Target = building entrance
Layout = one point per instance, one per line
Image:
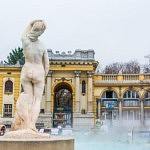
(62, 113)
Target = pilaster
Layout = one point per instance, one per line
(90, 91)
(99, 108)
(77, 91)
(48, 92)
(120, 109)
(142, 112)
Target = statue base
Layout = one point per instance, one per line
(51, 143)
(25, 133)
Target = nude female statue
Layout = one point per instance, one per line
(33, 75)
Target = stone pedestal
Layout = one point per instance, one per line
(52, 143)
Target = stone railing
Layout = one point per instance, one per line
(143, 78)
(109, 77)
(146, 76)
(130, 77)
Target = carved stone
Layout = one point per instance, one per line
(33, 75)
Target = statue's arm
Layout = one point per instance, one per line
(29, 28)
(46, 62)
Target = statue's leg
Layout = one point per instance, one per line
(28, 89)
(22, 114)
(38, 92)
(17, 125)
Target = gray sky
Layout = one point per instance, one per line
(118, 30)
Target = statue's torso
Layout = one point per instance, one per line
(33, 51)
(33, 68)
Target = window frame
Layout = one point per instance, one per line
(83, 87)
(8, 87)
(7, 111)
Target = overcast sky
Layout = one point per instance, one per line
(118, 30)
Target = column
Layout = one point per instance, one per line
(99, 108)
(77, 91)
(90, 91)
(142, 111)
(48, 92)
(120, 109)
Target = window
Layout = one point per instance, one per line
(109, 99)
(8, 86)
(42, 111)
(109, 94)
(147, 114)
(131, 94)
(63, 99)
(109, 103)
(131, 102)
(147, 99)
(148, 95)
(83, 87)
(131, 99)
(147, 102)
(131, 114)
(7, 110)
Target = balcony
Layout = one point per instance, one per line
(122, 79)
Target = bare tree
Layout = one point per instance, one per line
(146, 68)
(131, 67)
(113, 68)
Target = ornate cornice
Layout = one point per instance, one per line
(65, 62)
(77, 55)
(62, 79)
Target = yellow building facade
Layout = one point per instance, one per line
(77, 95)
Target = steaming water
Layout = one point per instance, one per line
(113, 140)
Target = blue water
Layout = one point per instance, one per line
(96, 140)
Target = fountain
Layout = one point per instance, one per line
(24, 135)
(59, 119)
(114, 139)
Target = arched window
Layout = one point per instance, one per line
(147, 104)
(131, 94)
(83, 87)
(131, 99)
(8, 86)
(109, 99)
(147, 99)
(109, 94)
(147, 95)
